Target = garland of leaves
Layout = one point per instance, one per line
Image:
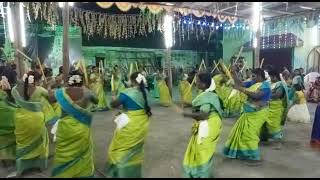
(113, 26)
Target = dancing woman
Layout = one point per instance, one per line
(117, 83)
(232, 100)
(30, 130)
(220, 80)
(155, 90)
(185, 91)
(7, 136)
(73, 152)
(206, 129)
(243, 139)
(41, 95)
(165, 96)
(97, 86)
(277, 107)
(126, 152)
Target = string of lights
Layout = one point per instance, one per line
(226, 26)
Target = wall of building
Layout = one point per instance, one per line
(54, 58)
(125, 56)
(301, 30)
(301, 53)
(232, 42)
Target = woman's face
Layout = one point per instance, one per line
(273, 79)
(133, 83)
(240, 64)
(199, 84)
(254, 77)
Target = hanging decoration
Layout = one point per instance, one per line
(280, 26)
(113, 26)
(55, 55)
(157, 8)
(8, 49)
(202, 28)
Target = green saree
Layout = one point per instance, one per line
(198, 158)
(74, 145)
(185, 94)
(243, 139)
(277, 112)
(101, 95)
(165, 97)
(31, 135)
(125, 154)
(7, 136)
(232, 104)
(41, 95)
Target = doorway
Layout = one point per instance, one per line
(277, 58)
(98, 60)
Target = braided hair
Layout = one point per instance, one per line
(142, 88)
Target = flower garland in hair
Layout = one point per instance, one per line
(30, 78)
(140, 78)
(212, 86)
(185, 77)
(75, 79)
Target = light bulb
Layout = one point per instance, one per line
(22, 24)
(10, 25)
(168, 31)
(61, 4)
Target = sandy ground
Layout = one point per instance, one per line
(168, 137)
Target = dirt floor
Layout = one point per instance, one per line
(168, 137)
